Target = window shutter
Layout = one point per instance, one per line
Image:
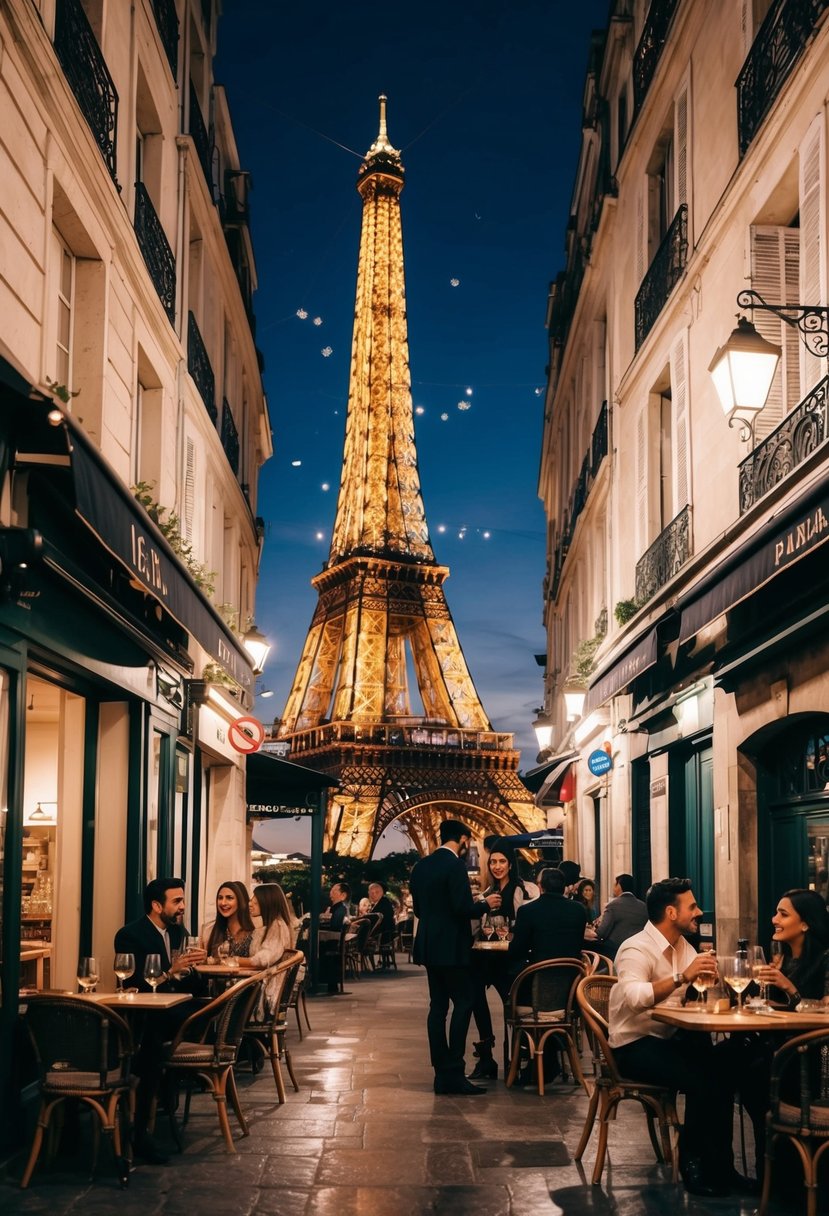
(681, 145)
(642, 532)
(812, 227)
(641, 231)
(746, 27)
(775, 256)
(190, 471)
(680, 451)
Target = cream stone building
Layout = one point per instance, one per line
(686, 590)
(128, 360)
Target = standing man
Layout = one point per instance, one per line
(445, 908)
(623, 916)
(655, 967)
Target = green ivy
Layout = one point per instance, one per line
(169, 524)
(624, 610)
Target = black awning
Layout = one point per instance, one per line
(278, 789)
(636, 659)
(781, 543)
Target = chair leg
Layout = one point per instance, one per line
(587, 1130)
(288, 1063)
(764, 1197)
(514, 1059)
(659, 1149)
(273, 1052)
(220, 1099)
(304, 1011)
(230, 1087)
(601, 1151)
(42, 1124)
(575, 1063)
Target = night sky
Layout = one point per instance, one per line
(485, 103)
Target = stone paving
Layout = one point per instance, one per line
(365, 1136)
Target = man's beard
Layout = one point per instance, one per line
(172, 920)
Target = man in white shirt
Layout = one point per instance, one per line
(654, 968)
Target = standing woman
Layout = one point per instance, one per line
(490, 968)
(233, 924)
(276, 935)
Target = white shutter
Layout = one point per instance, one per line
(775, 257)
(680, 448)
(746, 27)
(641, 477)
(641, 231)
(812, 239)
(682, 146)
(188, 513)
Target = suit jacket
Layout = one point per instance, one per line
(623, 916)
(140, 938)
(551, 926)
(384, 908)
(445, 910)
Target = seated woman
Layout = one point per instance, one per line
(276, 934)
(801, 929)
(233, 926)
(586, 896)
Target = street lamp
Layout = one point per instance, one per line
(574, 696)
(258, 647)
(543, 727)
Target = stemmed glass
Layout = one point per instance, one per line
(736, 973)
(88, 974)
(501, 927)
(124, 967)
(223, 952)
(776, 954)
(153, 971)
(702, 982)
(487, 927)
(757, 958)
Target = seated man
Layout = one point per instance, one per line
(160, 931)
(333, 920)
(623, 916)
(381, 906)
(654, 967)
(551, 926)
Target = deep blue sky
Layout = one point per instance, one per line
(485, 102)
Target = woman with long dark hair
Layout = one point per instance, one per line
(233, 925)
(276, 935)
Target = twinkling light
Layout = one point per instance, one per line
(419, 410)
(538, 392)
(469, 392)
(301, 313)
(464, 405)
(441, 527)
(454, 282)
(325, 486)
(296, 463)
(487, 535)
(318, 320)
(444, 417)
(326, 352)
(320, 535)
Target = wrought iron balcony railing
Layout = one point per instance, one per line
(201, 138)
(412, 734)
(646, 56)
(199, 368)
(598, 444)
(668, 554)
(230, 438)
(155, 247)
(780, 42)
(579, 495)
(167, 22)
(86, 71)
(662, 275)
(788, 445)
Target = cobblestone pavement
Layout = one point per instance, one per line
(365, 1136)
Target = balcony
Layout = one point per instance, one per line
(666, 556)
(417, 737)
(155, 247)
(647, 54)
(579, 495)
(167, 22)
(230, 438)
(598, 444)
(88, 76)
(791, 443)
(662, 275)
(201, 139)
(781, 40)
(198, 365)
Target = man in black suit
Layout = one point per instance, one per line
(382, 906)
(445, 910)
(623, 916)
(551, 926)
(160, 931)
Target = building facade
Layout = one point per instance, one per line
(133, 425)
(686, 583)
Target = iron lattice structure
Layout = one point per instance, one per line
(382, 611)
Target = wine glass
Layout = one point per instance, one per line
(776, 954)
(124, 967)
(702, 982)
(223, 952)
(191, 943)
(88, 974)
(736, 973)
(153, 971)
(757, 958)
(501, 928)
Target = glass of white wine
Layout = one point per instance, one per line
(757, 958)
(153, 971)
(124, 967)
(88, 974)
(702, 982)
(737, 974)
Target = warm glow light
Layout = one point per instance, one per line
(543, 727)
(743, 370)
(574, 701)
(258, 647)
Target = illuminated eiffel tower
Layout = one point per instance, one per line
(382, 612)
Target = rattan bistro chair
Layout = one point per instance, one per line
(83, 1051)
(268, 1031)
(801, 1065)
(539, 1007)
(611, 1089)
(207, 1044)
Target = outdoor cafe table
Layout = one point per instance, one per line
(136, 1000)
(740, 1023)
(490, 945)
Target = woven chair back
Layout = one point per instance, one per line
(72, 1035)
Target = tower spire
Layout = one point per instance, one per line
(382, 148)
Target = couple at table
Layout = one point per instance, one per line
(656, 966)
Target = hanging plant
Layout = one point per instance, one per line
(169, 524)
(583, 662)
(624, 610)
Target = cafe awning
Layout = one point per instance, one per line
(278, 789)
(782, 542)
(549, 793)
(623, 671)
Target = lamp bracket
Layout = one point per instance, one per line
(810, 320)
(746, 426)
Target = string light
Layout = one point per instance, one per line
(326, 352)
(295, 464)
(454, 282)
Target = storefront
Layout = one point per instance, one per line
(102, 782)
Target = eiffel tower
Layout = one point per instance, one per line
(382, 612)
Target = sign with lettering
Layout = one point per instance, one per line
(266, 810)
(599, 762)
(246, 735)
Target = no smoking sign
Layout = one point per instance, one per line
(246, 735)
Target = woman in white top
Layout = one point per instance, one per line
(276, 935)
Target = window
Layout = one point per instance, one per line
(666, 186)
(63, 303)
(662, 456)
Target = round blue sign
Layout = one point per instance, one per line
(599, 762)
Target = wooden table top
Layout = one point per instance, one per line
(496, 945)
(136, 1000)
(27, 953)
(734, 1022)
(241, 972)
